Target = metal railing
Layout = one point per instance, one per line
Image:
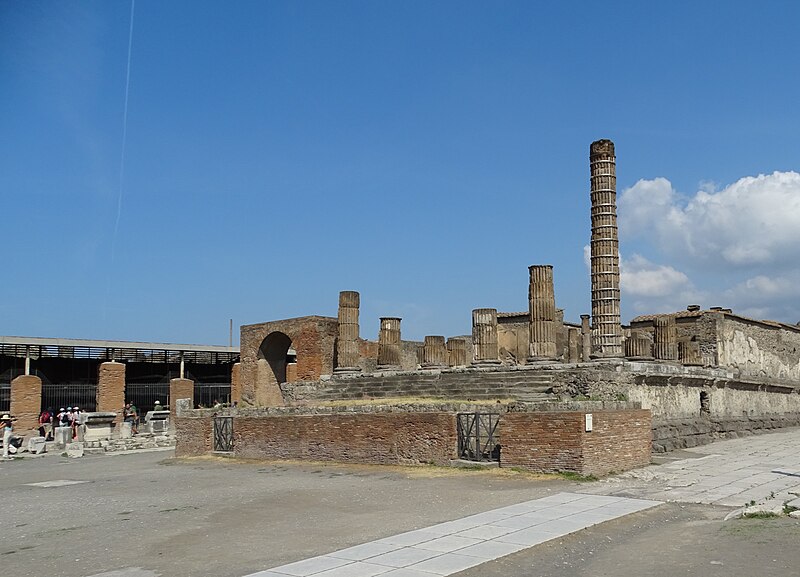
(145, 395)
(5, 397)
(208, 394)
(478, 437)
(62, 395)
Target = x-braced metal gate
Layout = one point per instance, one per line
(478, 437)
(223, 434)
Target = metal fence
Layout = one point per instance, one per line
(62, 395)
(209, 394)
(145, 395)
(5, 397)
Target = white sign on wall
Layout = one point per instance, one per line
(588, 422)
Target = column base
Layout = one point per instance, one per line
(487, 363)
(346, 370)
(540, 360)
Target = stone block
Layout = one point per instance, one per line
(37, 445)
(125, 430)
(74, 450)
(99, 425)
(62, 437)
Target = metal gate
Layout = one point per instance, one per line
(478, 437)
(223, 434)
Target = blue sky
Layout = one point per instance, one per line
(422, 153)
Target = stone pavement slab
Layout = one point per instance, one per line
(447, 548)
(763, 469)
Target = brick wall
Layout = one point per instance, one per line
(557, 441)
(620, 440)
(26, 401)
(194, 436)
(111, 388)
(389, 438)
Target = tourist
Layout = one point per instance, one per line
(157, 406)
(45, 419)
(8, 430)
(63, 417)
(135, 425)
(131, 415)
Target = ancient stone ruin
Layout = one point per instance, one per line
(685, 378)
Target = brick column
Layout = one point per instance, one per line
(26, 401)
(389, 354)
(665, 338)
(542, 309)
(236, 383)
(111, 388)
(434, 352)
(180, 389)
(606, 328)
(347, 356)
(457, 352)
(484, 337)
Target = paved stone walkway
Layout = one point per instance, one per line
(763, 470)
(453, 546)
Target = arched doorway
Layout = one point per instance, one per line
(274, 354)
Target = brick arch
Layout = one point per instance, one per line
(262, 371)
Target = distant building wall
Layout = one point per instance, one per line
(758, 349)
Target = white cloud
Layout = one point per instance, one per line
(746, 234)
(753, 222)
(641, 278)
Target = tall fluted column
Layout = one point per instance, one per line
(542, 309)
(389, 354)
(586, 338)
(484, 337)
(457, 352)
(347, 341)
(665, 338)
(606, 328)
(434, 352)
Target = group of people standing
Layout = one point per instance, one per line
(71, 417)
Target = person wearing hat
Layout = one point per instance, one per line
(8, 429)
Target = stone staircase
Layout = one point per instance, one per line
(522, 385)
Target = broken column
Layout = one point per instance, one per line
(110, 394)
(347, 341)
(665, 338)
(689, 353)
(542, 309)
(586, 338)
(484, 337)
(606, 328)
(434, 352)
(639, 346)
(457, 352)
(389, 353)
(26, 401)
(573, 345)
(180, 389)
